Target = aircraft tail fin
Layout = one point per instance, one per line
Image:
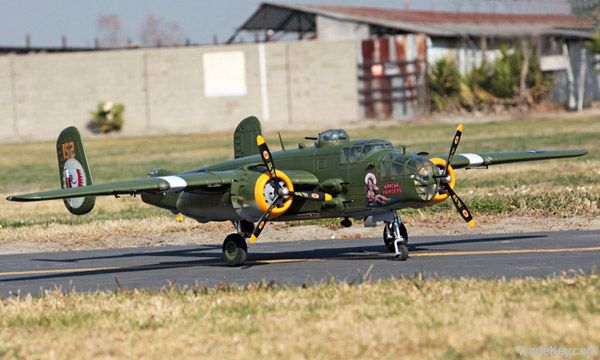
(73, 169)
(244, 137)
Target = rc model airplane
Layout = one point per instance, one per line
(335, 178)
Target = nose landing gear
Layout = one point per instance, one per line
(395, 238)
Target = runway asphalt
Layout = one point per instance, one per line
(299, 262)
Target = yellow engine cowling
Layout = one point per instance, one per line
(441, 164)
(260, 189)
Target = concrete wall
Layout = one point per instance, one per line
(300, 84)
(6, 109)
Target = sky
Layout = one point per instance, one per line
(46, 21)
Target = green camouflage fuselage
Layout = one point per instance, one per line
(364, 178)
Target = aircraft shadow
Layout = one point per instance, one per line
(210, 258)
(178, 252)
(206, 250)
(419, 245)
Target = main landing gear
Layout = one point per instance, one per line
(395, 237)
(235, 248)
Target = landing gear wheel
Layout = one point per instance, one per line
(234, 250)
(346, 222)
(389, 238)
(402, 253)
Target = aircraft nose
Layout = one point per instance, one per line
(425, 180)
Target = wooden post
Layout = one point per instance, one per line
(524, 69)
(581, 78)
(570, 78)
(483, 45)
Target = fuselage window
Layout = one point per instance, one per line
(398, 169)
(355, 154)
(370, 148)
(346, 155)
(386, 169)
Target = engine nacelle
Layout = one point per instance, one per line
(264, 192)
(246, 198)
(253, 196)
(207, 205)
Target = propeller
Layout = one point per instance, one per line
(453, 147)
(460, 205)
(280, 192)
(260, 225)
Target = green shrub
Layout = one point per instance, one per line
(475, 93)
(539, 84)
(504, 82)
(487, 85)
(594, 44)
(444, 85)
(107, 117)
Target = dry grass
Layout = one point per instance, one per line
(407, 318)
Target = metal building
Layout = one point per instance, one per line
(394, 47)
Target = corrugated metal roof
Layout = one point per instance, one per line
(301, 17)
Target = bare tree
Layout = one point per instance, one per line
(109, 31)
(156, 32)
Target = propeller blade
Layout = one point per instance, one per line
(312, 195)
(263, 221)
(453, 147)
(461, 207)
(265, 154)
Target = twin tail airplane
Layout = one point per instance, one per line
(335, 178)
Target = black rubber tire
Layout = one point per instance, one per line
(234, 250)
(346, 223)
(403, 255)
(389, 242)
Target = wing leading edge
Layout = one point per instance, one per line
(470, 160)
(171, 183)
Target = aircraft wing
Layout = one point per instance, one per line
(187, 181)
(471, 160)
(171, 183)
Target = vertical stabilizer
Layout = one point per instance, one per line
(73, 169)
(244, 137)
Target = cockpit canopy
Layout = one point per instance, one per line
(332, 137)
(395, 164)
(363, 148)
